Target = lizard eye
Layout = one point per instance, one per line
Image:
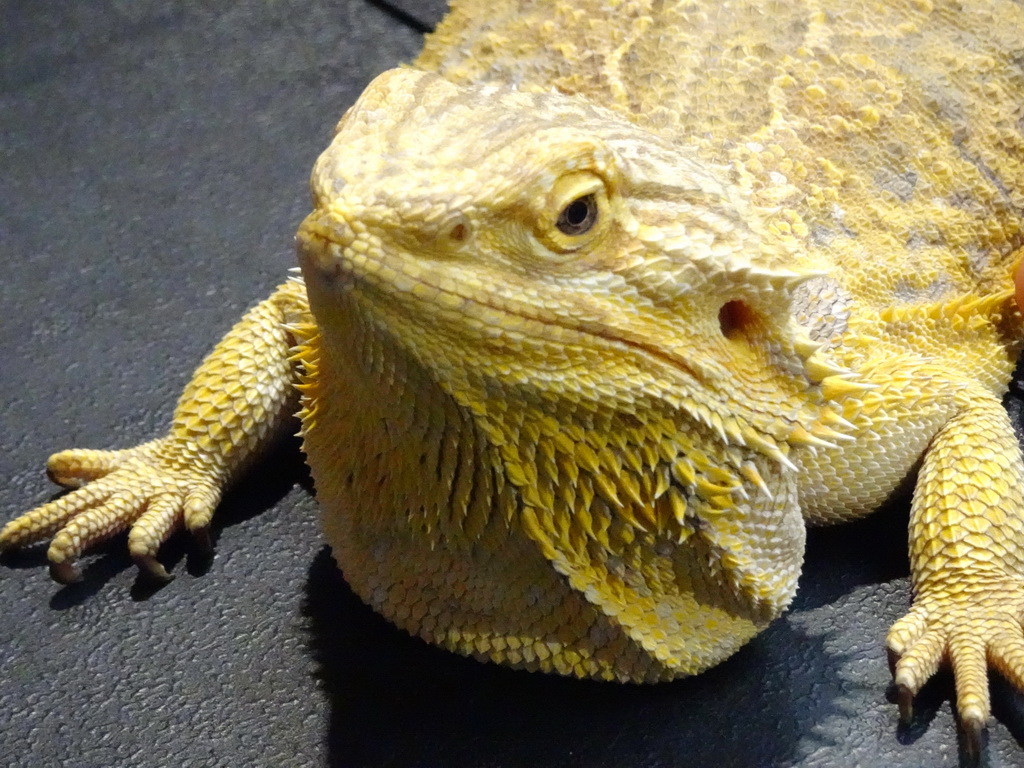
(579, 216)
(573, 214)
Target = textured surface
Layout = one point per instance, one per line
(562, 345)
(810, 687)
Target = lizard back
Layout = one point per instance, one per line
(886, 139)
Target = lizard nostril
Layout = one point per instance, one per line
(459, 233)
(735, 318)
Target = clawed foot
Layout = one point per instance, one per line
(971, 626)
(152, 489)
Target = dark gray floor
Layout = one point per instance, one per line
(154, 159)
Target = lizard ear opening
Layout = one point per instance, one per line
(735, 319)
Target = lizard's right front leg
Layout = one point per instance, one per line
(238, 399)
(966, 523)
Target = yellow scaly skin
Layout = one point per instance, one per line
(582, 357)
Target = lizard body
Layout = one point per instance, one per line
(604, 301)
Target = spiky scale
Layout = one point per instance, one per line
(497, 405)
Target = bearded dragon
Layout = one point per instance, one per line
(603, 303)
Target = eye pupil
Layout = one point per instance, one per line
(577, 213)
(579, 216)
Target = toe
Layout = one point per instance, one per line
(200, 504)
(919, 663)
(79, 466)
(43, 521)
(906, 632)
(970, 670)
(1006, 654)
(89, 527)
(159, 521)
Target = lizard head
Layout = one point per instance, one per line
(612, 316)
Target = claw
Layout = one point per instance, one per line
(151, 568)
(905, 701)
(66, 572)
(974, 731)
(203, 539)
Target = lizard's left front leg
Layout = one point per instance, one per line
(967, 561)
